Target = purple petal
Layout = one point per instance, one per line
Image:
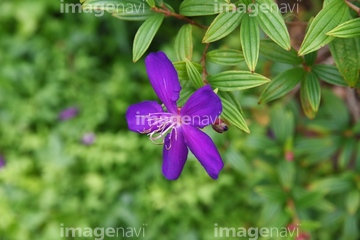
(164, 79)
(137, 115)
(202, 108)
(174, 154)
(88, 139)
(204, 150)
(68, 113)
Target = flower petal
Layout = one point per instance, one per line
(164, 79)
(204, 150)
(137, 115)
(202, 108)
(174, 154)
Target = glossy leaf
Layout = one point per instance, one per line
(201, 7)
(329, 17)
(222, 26)
(272, 23)
(250, 41)
(236, 80)
(194, 75)
(145, 35)
(271, 50)
(226, 57)
(347, 29)
(282, 84)
(345, 52)
(232, 114)
(184, 43)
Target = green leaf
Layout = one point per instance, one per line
(184, 43)
(271, 193)
(202, 7)
(222, 26)
(151, 3)
(131, 10)
(145, 35)
(310, 58)
(310, 94)
(182, 70)
(351, 228)
(232, 114)
(282, 84)
(185, 93)
(272, 23)
(346, 153)
(274, 52)
(250, 41)
(226, 57)
(309, 199)
(352, 201)
(329, 74)
(345, 52)
(347, 29)
(286, 173)
(331, 185)
(236, 80)
(282, 123)
(329, 17)
(312, 86)
(232, 99)
(193, 74)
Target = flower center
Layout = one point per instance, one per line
(162, 124)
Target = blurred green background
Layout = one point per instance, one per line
(51, 61)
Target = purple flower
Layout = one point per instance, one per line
(68, 113)
(88, 139)
(177, 128)
(2, 161)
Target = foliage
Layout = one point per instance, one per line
(283, 165)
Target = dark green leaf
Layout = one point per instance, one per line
(282, 84)
(329, 74)
(274, 52)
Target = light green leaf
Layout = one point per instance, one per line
(250, 41)
(346, 153)
(271, 193)
(184, 43)
(182, 71)
(222, 26)
(282, 84)
(226, 57)
(202, 7)
(331, 185)
(194, 75)
(272, 23)
(236, 80)
(271, 50)
(328, 18)
(286, 173)
(352, 202)
(347, 29)
(232, 114)
(232, 99)
(345, 52)
(151, 3)
(145, 35)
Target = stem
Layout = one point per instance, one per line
(203, 63)
(353, 7)
(168, 13)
